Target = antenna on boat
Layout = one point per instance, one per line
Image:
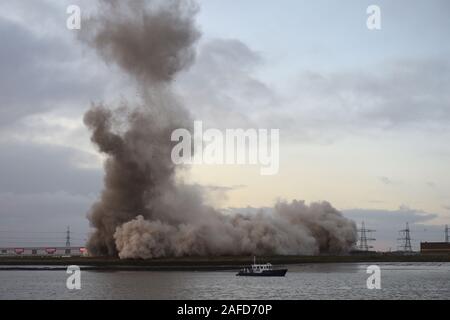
(254, 259)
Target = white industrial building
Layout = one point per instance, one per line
(43, 251)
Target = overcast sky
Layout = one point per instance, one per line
(363, 115)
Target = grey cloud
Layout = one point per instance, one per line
(142, 212)
(223, 188)
(56, 209)
(22, 214)
(431, 184)
(376, 201)
(387, 223)
(41, 73)
(385, 180)
(29, 168)
(42, 190)
(411, 91)
(396, 93)
(398, 217)
(221, 87)
(215, 194)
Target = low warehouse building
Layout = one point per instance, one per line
(435, 247)
(43, 251)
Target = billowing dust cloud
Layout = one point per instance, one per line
(143, 211)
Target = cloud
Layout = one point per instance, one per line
(387, 224)
(401, 95)
(385, 180)
(376, 201)
(43, 189)
(398, 217)
(216, 195)
(431, 184)
(410, 91)
(40, 73)
(222, 88)
(44, 69)
(30, 168)
(26, 218)
(223, 188)
(44, 211)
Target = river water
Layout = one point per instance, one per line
(307, 281)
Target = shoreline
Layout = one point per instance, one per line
(197, 263)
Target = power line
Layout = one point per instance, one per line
(428, 231)
(406, 238)
(68, 237)
(41, 232)
(32, 242)
(364, 239)
(38, 238)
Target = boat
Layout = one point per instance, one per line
(261, 270)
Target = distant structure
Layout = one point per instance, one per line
(405, 237)
(436, 247)
(68, 237)
(364, 239)
(50, 250)
(43, 251)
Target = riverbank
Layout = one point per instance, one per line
(199, 263)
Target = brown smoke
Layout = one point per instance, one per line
(143, 212)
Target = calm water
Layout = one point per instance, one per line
(309, 281)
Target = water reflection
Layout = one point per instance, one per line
(308, 281)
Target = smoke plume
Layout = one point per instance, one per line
(143, 211)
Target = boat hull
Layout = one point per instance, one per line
(265, 273)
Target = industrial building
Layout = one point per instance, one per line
(43, 251)
(49, 250)
(435, 247)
